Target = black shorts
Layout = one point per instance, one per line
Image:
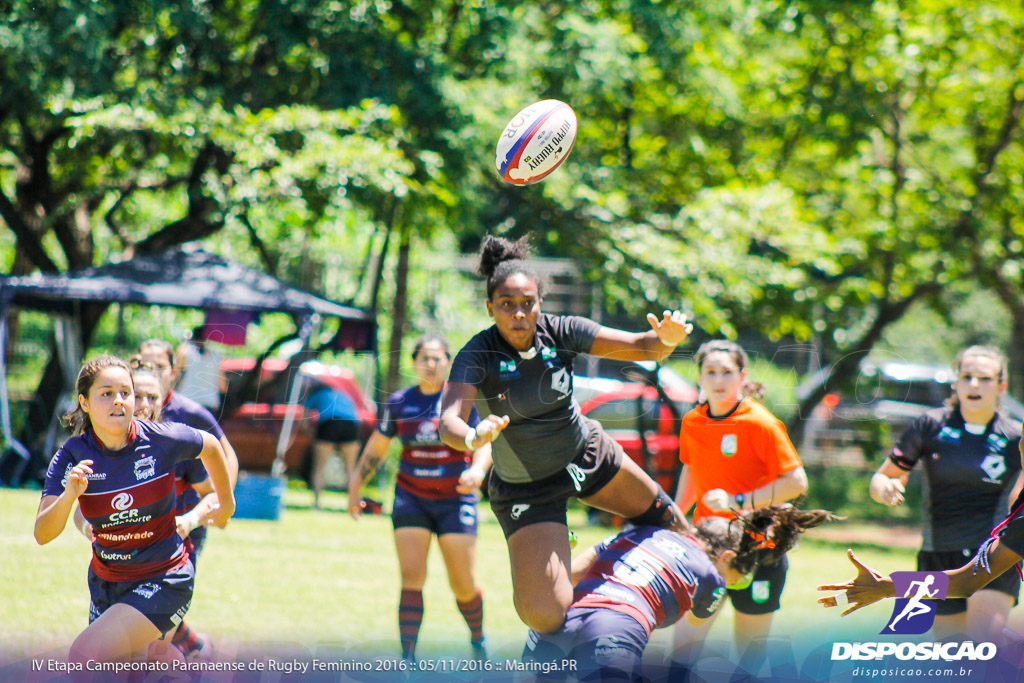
(938, 560)
(335, 430)
(764, 594)
(520, 505)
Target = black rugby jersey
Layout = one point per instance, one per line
(546, 430)
(967, 477)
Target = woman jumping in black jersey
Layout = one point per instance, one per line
(547, 452)
(969, 453)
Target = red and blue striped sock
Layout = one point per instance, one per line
(473, 612)
(410, 616)
(184, 638)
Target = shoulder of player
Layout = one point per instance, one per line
(1011, 429)
(756, 415)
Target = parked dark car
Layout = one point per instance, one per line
(254, 428)
(860, 422)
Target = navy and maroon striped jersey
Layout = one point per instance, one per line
(654, 575)
(130, 497)
(180, 408)
(428, 467)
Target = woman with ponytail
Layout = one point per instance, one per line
(971, 461)
(121, 472)
(544, 450)
(736, 456)
(648, 577)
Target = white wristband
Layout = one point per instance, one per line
(470, 438)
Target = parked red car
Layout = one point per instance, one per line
(254, 428)
(642, 416)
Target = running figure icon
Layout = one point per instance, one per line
(914, 606)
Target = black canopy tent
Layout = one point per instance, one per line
(185, 277)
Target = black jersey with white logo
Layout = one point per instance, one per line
(967, 477)
(546, 430)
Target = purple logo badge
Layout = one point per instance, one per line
(914, 613)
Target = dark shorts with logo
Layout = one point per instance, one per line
(456, 515)
(938, 560)
(764, 593)
(163, 599)
(594, 644)
(520, 505)
(334, 430)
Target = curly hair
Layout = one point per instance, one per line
(500, 259)
(761, 536)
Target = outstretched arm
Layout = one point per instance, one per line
(656, 344)
(870, 586)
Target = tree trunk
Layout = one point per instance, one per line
(399, 312)
(378, 277)
(848, 365)
(1016, 357)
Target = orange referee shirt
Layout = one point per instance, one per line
(738, 452)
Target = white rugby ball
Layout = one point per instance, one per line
(535, 142)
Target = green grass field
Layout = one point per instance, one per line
(319, 580)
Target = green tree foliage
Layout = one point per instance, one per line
(802, 168)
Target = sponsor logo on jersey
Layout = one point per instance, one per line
(548, 353)
(114, 556)
(518, 509)
(421, 472)
(507, 368)
(145, 468)
(561, 382)
(96, 476)
(139, 536)
(996, 442)
(427, 430)
(125, 517)
(122, 501)
(994, 465)
(949, 434)
(730, 444)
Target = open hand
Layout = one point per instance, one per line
(673, 327)
(868, 587)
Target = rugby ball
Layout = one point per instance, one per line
(535, 142)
